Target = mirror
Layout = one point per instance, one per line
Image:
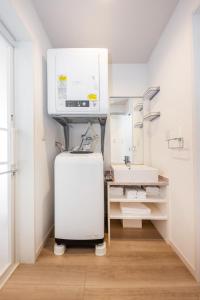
(126, 130)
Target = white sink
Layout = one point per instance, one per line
(134, 174)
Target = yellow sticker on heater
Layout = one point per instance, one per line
(92, 97)
(63, 77)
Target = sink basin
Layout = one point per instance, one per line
(134, 174)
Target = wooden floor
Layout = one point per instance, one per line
(148, 232)
(134, 269)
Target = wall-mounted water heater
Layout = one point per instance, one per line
(78, 82)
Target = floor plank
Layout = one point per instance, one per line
(137, 276)
(42, 293)
(39, 275)
(141, 294)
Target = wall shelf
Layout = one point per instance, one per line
(138, 125)
(138, 107)
(152, 116)
(151, 93)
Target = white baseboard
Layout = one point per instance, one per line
(184, 260)
(7, 274)
(47, 235)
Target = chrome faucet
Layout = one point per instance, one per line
(127, 160)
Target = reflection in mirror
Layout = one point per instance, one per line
(126, 130)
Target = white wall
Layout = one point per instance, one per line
(36, 131)
(170, 67)
(127, 79)
(45, 129)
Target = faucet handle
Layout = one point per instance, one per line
(127, 159)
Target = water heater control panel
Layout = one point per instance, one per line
(77, 81)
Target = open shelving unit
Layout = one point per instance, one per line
(154, 203)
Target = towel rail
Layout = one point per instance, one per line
(179, 140)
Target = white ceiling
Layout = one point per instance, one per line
(130, 29)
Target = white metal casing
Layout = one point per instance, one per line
(79, 196)
(77, 82)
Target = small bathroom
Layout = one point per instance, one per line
(99, 149)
